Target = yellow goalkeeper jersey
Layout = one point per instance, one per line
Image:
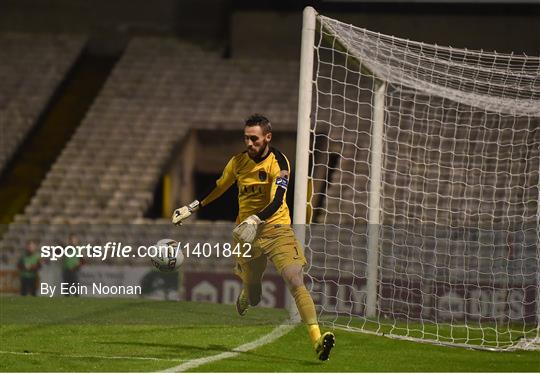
(262, 186)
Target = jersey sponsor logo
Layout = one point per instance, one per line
(262, 175)
(251, 190)
(282, 182)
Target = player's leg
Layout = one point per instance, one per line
(294, 277)
(253, 284)
(251, 274)
(288, 257)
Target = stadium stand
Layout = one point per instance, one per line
(103, 182)
(31, 68)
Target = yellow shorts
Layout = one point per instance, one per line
(277, 243)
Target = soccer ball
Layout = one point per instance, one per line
(169, 255)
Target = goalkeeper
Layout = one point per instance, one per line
(261, 173)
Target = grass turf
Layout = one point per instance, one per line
(84, 334)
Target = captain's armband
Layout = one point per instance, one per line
(282, 182)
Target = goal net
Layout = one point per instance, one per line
(424, 189)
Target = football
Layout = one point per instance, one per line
(169, 255)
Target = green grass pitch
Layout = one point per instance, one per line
(84, 334)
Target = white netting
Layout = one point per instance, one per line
(458, 239)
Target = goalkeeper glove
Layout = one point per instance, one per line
(247, 229)
(184, 212)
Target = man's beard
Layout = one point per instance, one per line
(259, 154)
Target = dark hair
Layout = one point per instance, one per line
(259, 120)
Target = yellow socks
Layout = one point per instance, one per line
(314, 333)
(305, 306)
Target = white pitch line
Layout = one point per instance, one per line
(275, 334)
(89, 356)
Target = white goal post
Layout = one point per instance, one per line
(417, 187)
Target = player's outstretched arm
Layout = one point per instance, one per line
(184, 212)
(222, 184)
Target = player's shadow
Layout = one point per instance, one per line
(214, 349)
